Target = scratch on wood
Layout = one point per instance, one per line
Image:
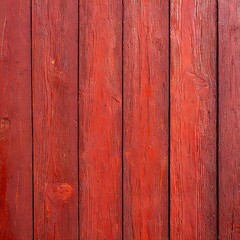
(3, 34)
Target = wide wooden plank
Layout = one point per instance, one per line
(15, 121)
(229, 124)
(100, 119)
(193, 120)
(55, 116)
(146, 105)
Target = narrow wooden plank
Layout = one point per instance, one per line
(146, 104)
(15, 121)
(229, 125)
(55, 91)
(193, 119)
(100, 119)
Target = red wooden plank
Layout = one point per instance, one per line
(15, 121)
(55, 84)
(193, 119)
(146, 100)
(229, 132)
(100, 119)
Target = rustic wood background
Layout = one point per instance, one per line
(119, 119)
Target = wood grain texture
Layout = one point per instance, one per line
(100, 119)
(193, 119)
(146, 104)
(55, 91)
(229, 113)
(15, 121)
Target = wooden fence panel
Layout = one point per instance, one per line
(229, 132)
(100, 114)
(146, 105)
(55, 118)
(193, 119)
(15, 121)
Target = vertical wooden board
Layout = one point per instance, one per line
(55, 91)
(193, 120)
(146, 105)
(229, 113)
(15, 121)
(100, 119)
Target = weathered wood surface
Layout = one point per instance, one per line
(55, 118)
(15, 121)
(146, 102)
(229, 124)
(100, 114)
(193, 119)
(92, 126)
